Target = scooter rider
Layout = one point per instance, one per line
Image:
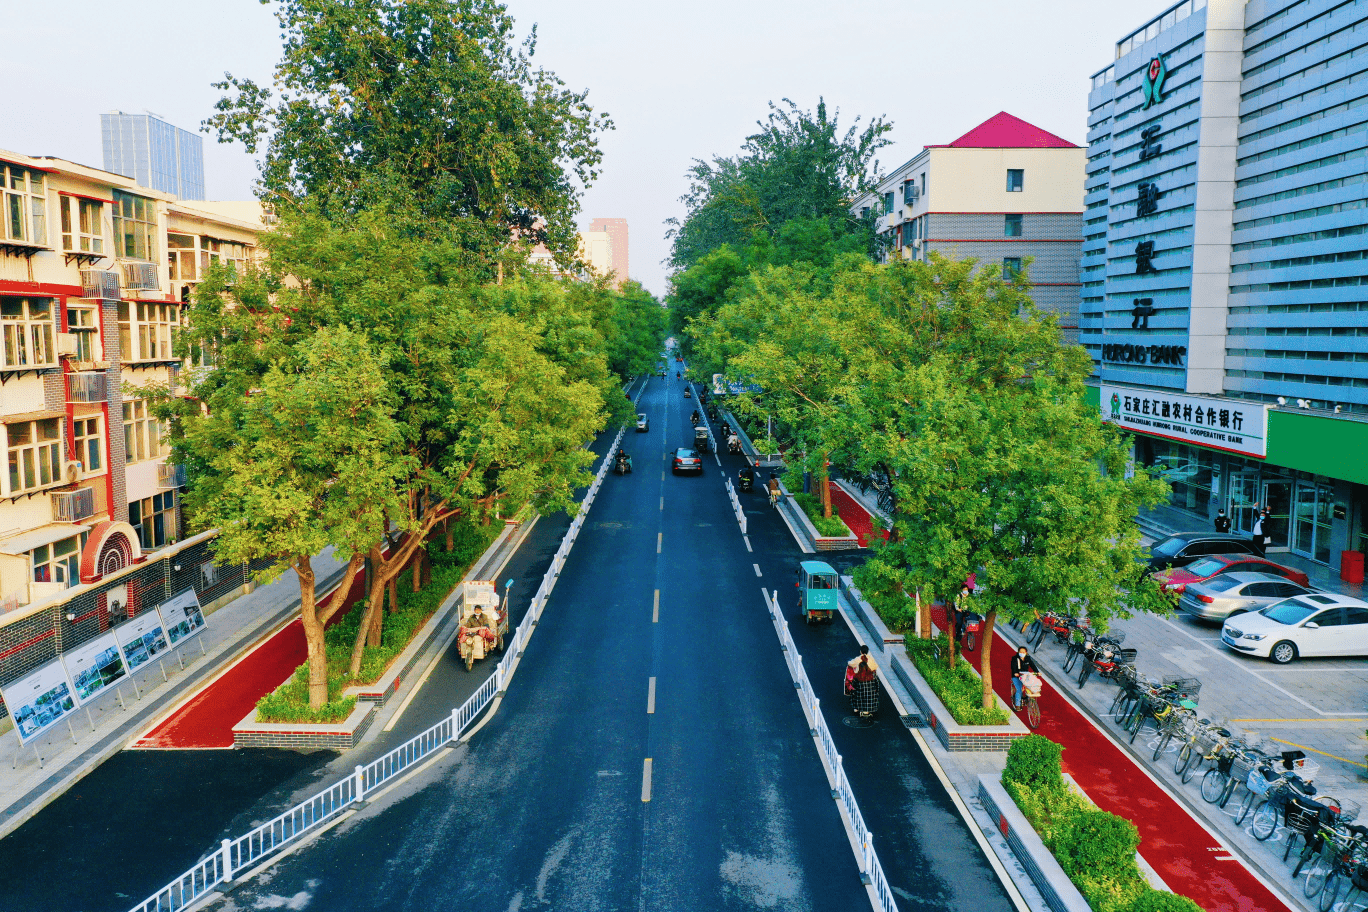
(747, 476)
(1021, 663)
(624, 458)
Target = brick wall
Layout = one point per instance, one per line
(118, 509)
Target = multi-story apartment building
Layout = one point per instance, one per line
(606, 243)
(154, 153)
(1006, 193)
(93, 272)
(1224, 299)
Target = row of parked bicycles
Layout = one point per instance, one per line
(1273, 791)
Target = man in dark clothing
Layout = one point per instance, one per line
(1260, 536)
(1021, 663)
(1222, 521)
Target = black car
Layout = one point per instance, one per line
(686, 460)
(1183, 548)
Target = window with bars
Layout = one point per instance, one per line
(143, 433)
(26, 324)
(33, 450)
(233, 254)
(82, 225)
(135, 227)
(23, 199)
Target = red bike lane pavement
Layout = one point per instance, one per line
(1188, 858)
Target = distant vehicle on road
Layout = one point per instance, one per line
(1177, 579)
(702, 442)
(1229, 594)
(1316, 624)
(686, 460)
(643, 423)
(1183, 548)
(817, 587)
(484, 621)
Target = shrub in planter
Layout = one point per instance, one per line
(1033, 761)
(1162, 901)
(894, 608)
(832, 526)
(959, 688)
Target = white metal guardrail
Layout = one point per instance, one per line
(871, 871)
(736, 506)
(234, 856)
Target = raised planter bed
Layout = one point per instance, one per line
(867, 614)
(1054, 885)
(815, 540)
(302, 736)
(952, 735)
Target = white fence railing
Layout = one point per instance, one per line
(871, 871)
(736, 506)
(234, 856)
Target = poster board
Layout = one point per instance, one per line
(181, 617)
(142, 639)
(95, 665)
(40, 700)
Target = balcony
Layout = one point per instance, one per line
(73, 506)
(170, 476)
(86, 387)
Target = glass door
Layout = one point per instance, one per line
(1277, 497)
(1311, 526)
(1244, 489)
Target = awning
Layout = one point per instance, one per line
(25, 542)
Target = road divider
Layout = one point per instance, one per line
(246, 853)
(738, 510)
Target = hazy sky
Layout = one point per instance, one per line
(681, 80)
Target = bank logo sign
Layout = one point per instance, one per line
(1231, 425)
(1155, 74)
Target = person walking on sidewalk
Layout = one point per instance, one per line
(1021, 663)
(1222, 521)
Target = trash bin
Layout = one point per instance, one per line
(1351, 566)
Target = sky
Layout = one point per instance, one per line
(680, 80)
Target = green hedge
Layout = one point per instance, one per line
(1095, 848)
(290, 701)
(812, 506)
(894, 608)
(960, 688)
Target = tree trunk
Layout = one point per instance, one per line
(378, 618)
(824, 481)
(923, 617)
(417, 571)
(450, 537)
(313, 634)
(952, 619)
(985, 658)
(375, 603)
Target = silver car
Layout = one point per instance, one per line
(1230, 594)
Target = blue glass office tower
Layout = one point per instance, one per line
(154, 153)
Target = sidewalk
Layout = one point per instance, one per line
(33, 775)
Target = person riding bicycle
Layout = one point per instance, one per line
(1021, 663)
(773, 485)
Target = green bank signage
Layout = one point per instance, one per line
(1155, 74)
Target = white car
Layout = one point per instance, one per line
(1315, 624)
(643, 423)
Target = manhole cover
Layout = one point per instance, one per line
(857, 722)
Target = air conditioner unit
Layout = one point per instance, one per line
(71, 471)
(102, 284)
(66, 345)
(141, 277)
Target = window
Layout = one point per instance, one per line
(89, 443)
(84, 325)
(1011, 266)
(34, 450)
(142, 432)
(1016, 179)
(82, 225)
(233, 254)
(1012, 227)
(24, 203)
(1331, 618)
(147, 331)
(154, 518)
(183, 256)
(59, 562)
(26, 324)
(135, 227)
(888, 203)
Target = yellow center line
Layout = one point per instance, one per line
(1314, 751)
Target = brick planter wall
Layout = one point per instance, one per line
(952, 735)
(340, 737)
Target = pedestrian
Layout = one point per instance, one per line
(1222, 521)
(1259, 539)
(1265, 530)
(1021, 663)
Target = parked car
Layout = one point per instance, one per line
(1229, 594)
(686, 460)
(1185, 547)
(1316, 624)
(1176, 579)
(643, 423)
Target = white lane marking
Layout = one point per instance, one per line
(655, 609)
(746, 539)
(662, 502)
(757, 570)
(646, 780)
(650, 697)
(660, 539)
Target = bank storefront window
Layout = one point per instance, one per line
(1187, 469)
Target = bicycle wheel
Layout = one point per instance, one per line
(1265, 821)
(1316, 877)
(1163, 742)
(1191, 769)
(1070, 659)
(1028, 633)
(1084, 673)
(1245, 807)
(1180, 762)
(1118, 702)
(1213, 785)
(1136, 722)
(1330, 892)
(1229, 793)
(1032, 713)
(969, 640)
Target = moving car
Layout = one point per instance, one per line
(1229, 594)
(686, 460)
(1316, 624)
(643, 423)
(1176, 579)
(1185, 547)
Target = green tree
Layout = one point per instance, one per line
(428, 101)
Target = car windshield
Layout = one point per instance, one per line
(1221, 584)
(1292, 611)
(1169, 547)
(1206, 566)
(686, 454)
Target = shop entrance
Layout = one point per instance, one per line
(1277, 497)
(1244, 494)
(1311, 521)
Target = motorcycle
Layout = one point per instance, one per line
(622, 465)
(693, 419)
(687, 394)
(734, 445)
(747, 482)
